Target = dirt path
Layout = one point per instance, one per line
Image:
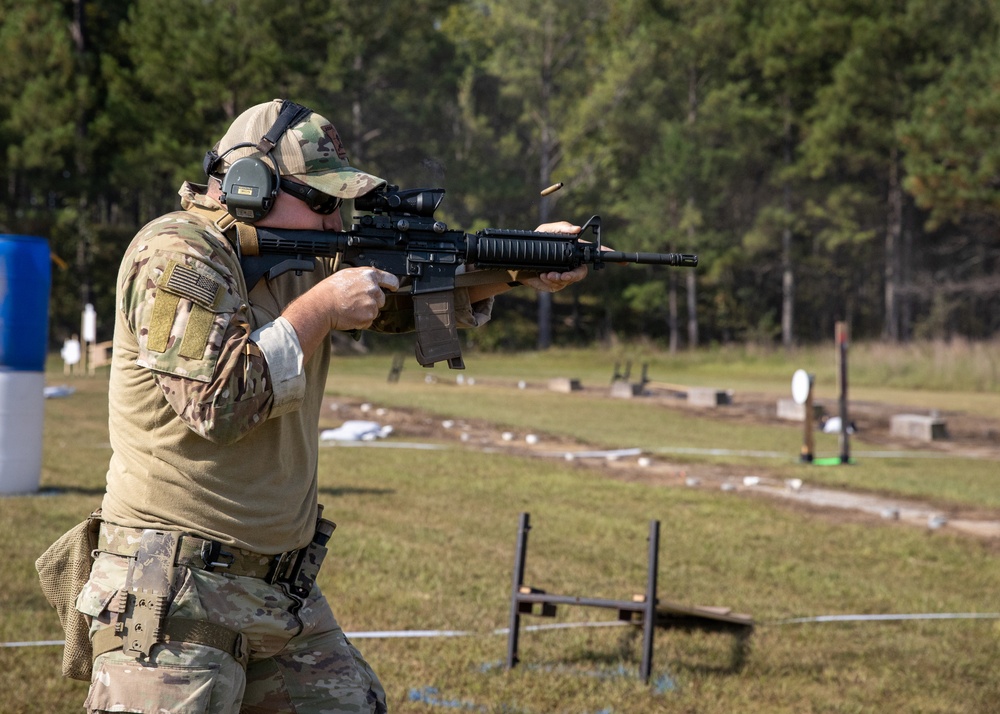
(972, 437)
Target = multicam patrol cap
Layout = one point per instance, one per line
(310, 151)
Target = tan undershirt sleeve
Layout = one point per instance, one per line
(280, 346)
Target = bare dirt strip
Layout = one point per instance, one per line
(968, 436)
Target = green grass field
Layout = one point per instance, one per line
(425, 541)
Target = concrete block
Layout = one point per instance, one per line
(708, 397)
(793, 411)
(918, 427)
(625, 390)
(564, 384)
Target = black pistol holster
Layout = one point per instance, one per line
(297, 570)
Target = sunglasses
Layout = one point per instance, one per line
(317, 201)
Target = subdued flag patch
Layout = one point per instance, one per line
(193, 285)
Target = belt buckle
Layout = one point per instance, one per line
(213, 556)
(280, 567)
(216, 563)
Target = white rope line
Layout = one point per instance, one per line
(404, 634)
(692, 450)
(399, 634)
(891, 618)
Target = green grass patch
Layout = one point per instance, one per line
(444, 524)
(425, 540)
(920, 368)
(592, 417)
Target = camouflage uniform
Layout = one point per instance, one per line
(214, 429)
(292, 667)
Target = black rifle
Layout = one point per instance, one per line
(400, 235)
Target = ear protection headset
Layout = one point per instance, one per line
(250, 185)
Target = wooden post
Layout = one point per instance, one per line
(88, 336)
(809, 437)
(841, 340)
(802, 394)
(84, 363)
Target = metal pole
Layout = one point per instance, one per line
(515, 589)
(841, 338)
(649, 616)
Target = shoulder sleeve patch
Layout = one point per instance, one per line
(179, 281)
(185, 315)
(189, 283)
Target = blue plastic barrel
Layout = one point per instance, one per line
(25, 277)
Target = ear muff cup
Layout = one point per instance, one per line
(249, 188)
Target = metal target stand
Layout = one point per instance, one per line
(652, 613)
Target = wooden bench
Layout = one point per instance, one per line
(98, 355)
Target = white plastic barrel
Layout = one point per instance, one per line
(25, 277)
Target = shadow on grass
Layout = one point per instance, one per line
(356, 491)
(336, 491)
(623, 661)
(629, 650)
(738, 654)
(70, 490)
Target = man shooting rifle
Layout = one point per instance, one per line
(203, 593)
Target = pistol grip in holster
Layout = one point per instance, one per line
(305, 570)
(299, 572)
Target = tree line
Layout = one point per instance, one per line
(828, 160)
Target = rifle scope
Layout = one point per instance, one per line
(410, 201)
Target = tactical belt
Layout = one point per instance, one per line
(142, 603)
(210, 555)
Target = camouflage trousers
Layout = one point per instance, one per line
(299, 663)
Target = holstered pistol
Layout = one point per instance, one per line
(147, 588)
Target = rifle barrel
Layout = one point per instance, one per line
(683, 260)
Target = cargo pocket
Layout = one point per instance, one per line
(131, 687)
(94, 599)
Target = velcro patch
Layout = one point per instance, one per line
(338, 146)
(186, 282)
